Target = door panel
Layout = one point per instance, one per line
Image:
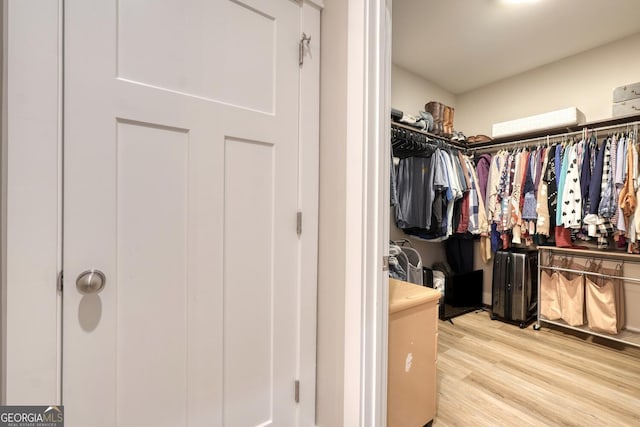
(151, 212)
(163, 47)
(181, 184)
(248, 283)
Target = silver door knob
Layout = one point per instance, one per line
(91, 282)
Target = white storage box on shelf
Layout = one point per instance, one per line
(551, 120)
(626, 100)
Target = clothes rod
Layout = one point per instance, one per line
(629, 126)
(591, 273)
(437, 138)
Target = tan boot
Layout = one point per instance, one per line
(446, 119)
(451, 127)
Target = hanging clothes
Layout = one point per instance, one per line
(620, 178)
(627, 199)
(529, 188)
(595, 186)
(430, 189)
(588, 163)
(482, 169)
(571, 210)
(576, 191)
(561, 180)
(608, 204)
(552, 186)
(493, 186)
(415, 192)
(517, 196)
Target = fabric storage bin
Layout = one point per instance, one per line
(550, 307)
(571, 292)
(604, 300)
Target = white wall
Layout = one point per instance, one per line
(585, 81)
(410, 92)
(431, 252)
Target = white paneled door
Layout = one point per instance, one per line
(181, 186)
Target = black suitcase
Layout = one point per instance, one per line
(524, 285)
(499, 284)
(515, 286)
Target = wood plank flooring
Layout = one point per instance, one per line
(492, 373)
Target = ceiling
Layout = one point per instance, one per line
(461, 45)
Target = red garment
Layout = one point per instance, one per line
(527, 157)
(463, 226)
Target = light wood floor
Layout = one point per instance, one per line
(492, 373)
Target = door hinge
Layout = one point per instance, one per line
(59, 282)
(299, 223)
(385, 263)
(302, 47)
(297, 391)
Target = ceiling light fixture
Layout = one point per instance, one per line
(518, 1)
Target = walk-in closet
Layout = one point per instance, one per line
(515, 193)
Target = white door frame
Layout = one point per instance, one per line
(3, 194)
(354, 146)
(309, 141)
(30, 335)
(367, 107)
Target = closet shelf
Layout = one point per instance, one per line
(595, 125)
